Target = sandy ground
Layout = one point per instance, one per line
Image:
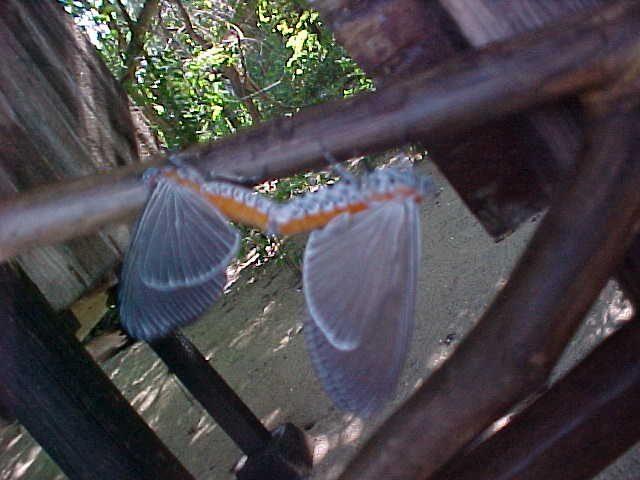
(254, 339)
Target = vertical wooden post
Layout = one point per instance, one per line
(575, 429)
(282, 454)
(215, 395)
(64, 399)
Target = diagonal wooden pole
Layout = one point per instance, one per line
(575, 429)
(444, 101)
(55, 389)
(211, 390)
(509, 354)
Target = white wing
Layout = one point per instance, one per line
(148, 314)
(181, 240)
(175, 267)
(360, 275)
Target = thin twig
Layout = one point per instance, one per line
(136, 45)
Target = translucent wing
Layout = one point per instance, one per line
(147, 313)
(175, 267)
(360, 275)
(181, 240)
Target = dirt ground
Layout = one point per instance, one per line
(254, 339)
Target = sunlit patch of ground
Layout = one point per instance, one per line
(254, 338)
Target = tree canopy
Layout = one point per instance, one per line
(202, 69)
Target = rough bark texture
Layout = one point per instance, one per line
(63, 117)
(54, 388)
(461, 94)
(513, 164)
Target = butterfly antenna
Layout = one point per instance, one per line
(235, 178)
(368, 164)
(338, 168)
(177, 159)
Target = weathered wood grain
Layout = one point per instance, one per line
(443, 102)
(509, 354)
(68, 404)
(553, 133)
(63, 116)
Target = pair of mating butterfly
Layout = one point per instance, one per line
(359, 268)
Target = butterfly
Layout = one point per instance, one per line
(359, 268)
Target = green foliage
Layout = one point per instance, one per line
(284, 189)
(282, 51)
(299, 58)
(187, 94)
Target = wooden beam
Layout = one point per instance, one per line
(572, 432)
(514, 163)
(70, 407)
(509, 354)
(210, 389)
(440, 103)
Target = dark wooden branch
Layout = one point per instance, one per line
(136, 44)
(211, 390)
(408, 35)
(547, 141)
(629, 274)
(232, 116)
(249, 84)
(282, 454)
(70, 209)
(68, 404)
(508, 355)
(515, 162)
(125, 14)
(113, 26)
(151, 113)
(229, 71)
(575, 429)
(628, 86)
(440, 103)
(188, 25)
(233, 75)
